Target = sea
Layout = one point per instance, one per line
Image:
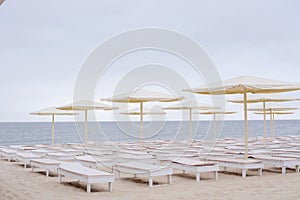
(30, 133)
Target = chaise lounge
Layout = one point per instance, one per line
(195, 166)
(84, 174)
(149, 170)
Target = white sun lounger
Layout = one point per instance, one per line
(8, 154)
(42, 152)
(282, 162)
(24, 158)
(84, 174)
(94, 162)
(150, 170)
(195, 166)
(60, 156)
(74, 152)
(243, 164)
(146, 158)
(45, 163)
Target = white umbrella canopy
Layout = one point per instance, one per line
(141, 96)
(146, 111)
(86, 105)
(190, 106)
(272, 113)
(214, 113)
(52, 111)
(264, 98)
(244, 85)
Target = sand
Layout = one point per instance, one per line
(19, 183)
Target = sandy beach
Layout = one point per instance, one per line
(19, 183)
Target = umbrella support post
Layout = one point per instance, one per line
(52, 136)
(85, 127)
(265, 124)
(271, 125)
(215, 128)
(141, 125)
(245, 124)
(191, 126)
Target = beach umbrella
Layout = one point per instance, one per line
(271, 109)
(263, 99)
(142, 96)
(190, 106)
(52, 111)
(244, 85)
(214, 113)
(86, 105)
(272, 118)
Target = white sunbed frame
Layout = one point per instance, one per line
(45, 163)
(93, 162)
(195, 167)
(24, 158)
(282, 162)
(243, 164)
(83, 174)
(149, 170)
(8, 154)
(60, 156)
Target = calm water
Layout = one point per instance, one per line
(40, 132)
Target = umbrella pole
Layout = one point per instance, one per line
(85, 127)
(215, 128)
(245, 124)
(191, 125)
(52, 139)
(271, 124)
(141, 125)
(265, 125)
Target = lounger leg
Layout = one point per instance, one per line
(47, 172)
(59, 178)
(260, 172)
(216, 175)
(88, 188)
(134, 175)
(110, 186)
(198, 177)
(244, 173)
(225, 168)
(169, 179)
(297, 168)
(183, 171)
(118, 174)
(150, 181)
(283, 170)
(31, 168)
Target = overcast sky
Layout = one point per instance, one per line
(44, 43)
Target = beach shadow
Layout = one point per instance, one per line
(237, 174)
(81, 186)
(278, 170)
(140, 181)
(190, 176)
(44, 173)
